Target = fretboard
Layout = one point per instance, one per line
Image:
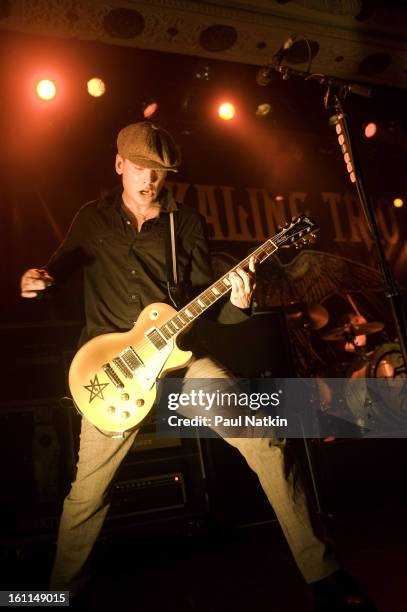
(212, 294)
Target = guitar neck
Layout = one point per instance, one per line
(212, 294)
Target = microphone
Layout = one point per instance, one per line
(360, 90)
(263, 75)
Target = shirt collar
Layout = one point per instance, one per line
(167, 200)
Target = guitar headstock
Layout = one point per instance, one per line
(299, 232)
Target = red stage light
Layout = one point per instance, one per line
(226, 111)
(150, 109)
(370, 129)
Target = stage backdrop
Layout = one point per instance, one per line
(246, 176)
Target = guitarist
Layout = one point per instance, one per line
(119, 243)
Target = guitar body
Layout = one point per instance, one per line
(112, 377)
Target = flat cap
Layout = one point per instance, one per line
(149, 145)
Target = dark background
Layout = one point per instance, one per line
(60, 154)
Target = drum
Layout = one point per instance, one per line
(387, 362)
(377, 405)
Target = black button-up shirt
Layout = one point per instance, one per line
(125, 270)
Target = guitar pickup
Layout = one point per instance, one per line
(110, 373)
(120, 365)
(156, 338)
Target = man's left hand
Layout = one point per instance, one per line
(243, 285)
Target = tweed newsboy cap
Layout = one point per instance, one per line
(149, 145)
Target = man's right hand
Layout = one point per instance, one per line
(33, 281)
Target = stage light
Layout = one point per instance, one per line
(370, 129)
(333, 120)
(226, 111)
(96, 87)
(398, 202)
(46, 89)
(149, 108)
(263, 109)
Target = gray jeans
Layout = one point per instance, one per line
(87, 503)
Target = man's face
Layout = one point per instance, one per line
(141, 185)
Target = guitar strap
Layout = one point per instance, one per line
(173, 284)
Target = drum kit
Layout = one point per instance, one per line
(385, 360)
(352, 359)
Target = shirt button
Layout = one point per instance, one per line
(133, 271)
(133, 297)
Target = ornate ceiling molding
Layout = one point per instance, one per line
(236, 31)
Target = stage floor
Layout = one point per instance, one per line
(229, 570)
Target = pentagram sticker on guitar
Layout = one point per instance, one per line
(96, 389)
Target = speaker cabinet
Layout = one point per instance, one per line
(37, 459)
(257, 347)
(235, 495)
(160, 481)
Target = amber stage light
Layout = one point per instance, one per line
(226, 111)
(46, 89)
(96, 87)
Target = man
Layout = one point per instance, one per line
(119, 242)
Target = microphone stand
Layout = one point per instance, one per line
(337, 90)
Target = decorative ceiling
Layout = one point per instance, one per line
(357, 40)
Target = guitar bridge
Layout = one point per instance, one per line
(131, 359)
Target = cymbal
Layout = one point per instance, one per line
(338, 333)
(313, 316)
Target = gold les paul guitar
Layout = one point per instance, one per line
(112, 377)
